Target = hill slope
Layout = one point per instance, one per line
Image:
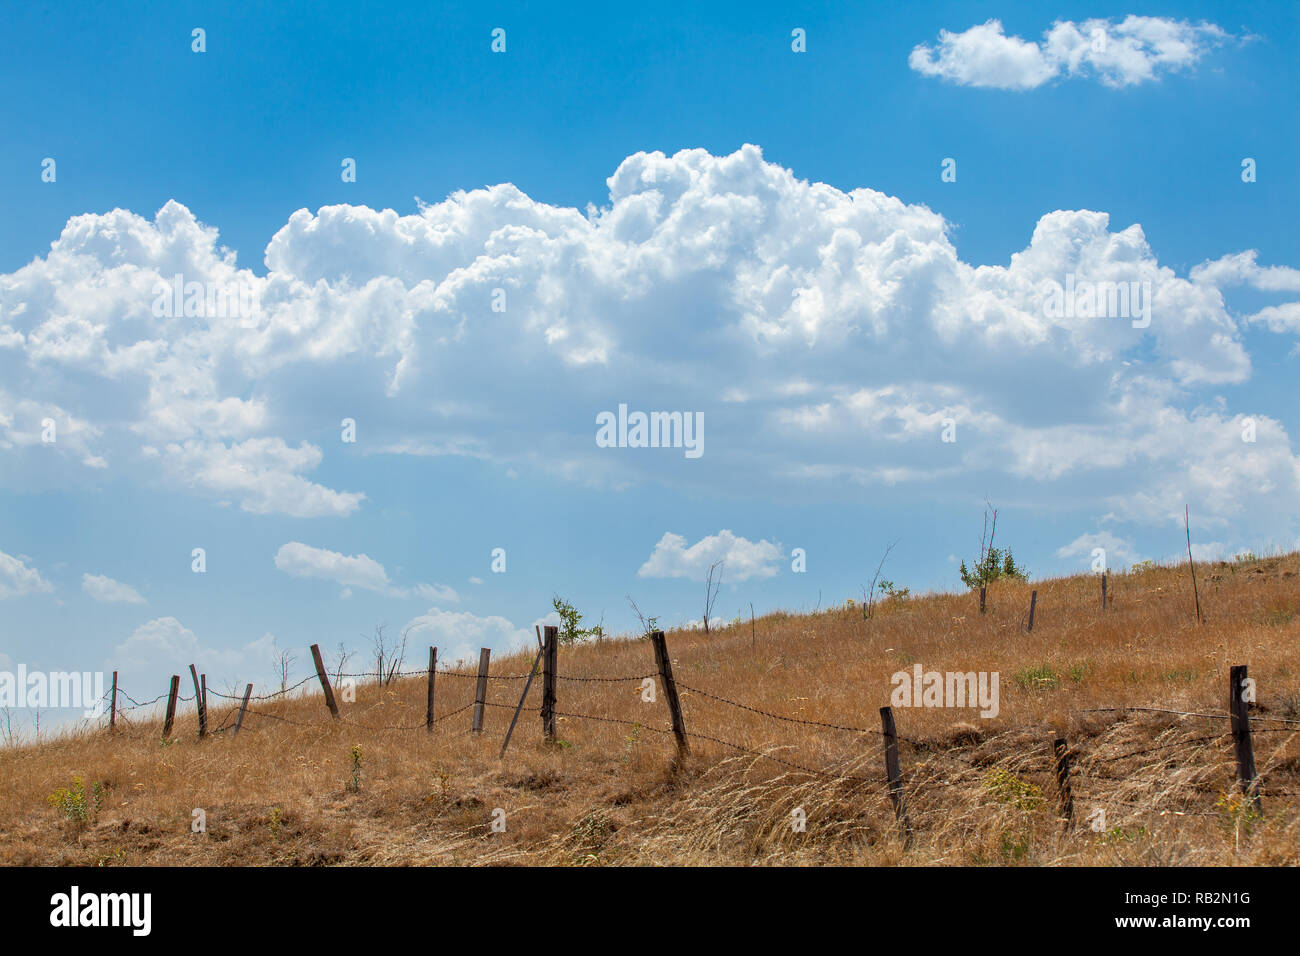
(979, 790)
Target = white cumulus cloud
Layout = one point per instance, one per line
(18, 578)
(1121, 53)
(744, 559)
(351, 571)
(459, 635)
(105, 589)
(827, 335)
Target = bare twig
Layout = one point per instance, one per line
(869, 605)
(711, 591)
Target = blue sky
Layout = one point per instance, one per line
(823, 298)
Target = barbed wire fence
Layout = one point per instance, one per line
(1072, 770)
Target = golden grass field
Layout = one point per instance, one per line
(980, 792)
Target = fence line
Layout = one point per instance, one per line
(1065, 766)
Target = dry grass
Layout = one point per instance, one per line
(980, 791)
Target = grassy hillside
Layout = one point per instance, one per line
(980, 791)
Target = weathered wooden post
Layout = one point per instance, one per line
(428, 708)
(894, 772)
(198, 703)
(239, 719)
(522, 697)
(480, 691)
(1103, 590)
(112, 705)
(550, 659)
(983, 593)
(171, 706)
(1065, 797)
(324, 681)
(1239, 708)
(1033, 603)
(665, 665)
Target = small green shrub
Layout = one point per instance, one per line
(571, 629)
(73, 802)
(1042, 677)
(1009, 788)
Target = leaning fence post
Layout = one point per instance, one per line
(112, 706)
(480, 691)
(522, 697)
(983, 592)
(428, 710)
(171, 706)
(324, 681)
(549, 661)
(198, 703)
(1239, 708)
(665, 665)
(1033, 603)
(1065, 797)
(895, 773)
(239, 719)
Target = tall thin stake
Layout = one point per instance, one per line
(522, 697)
(171, 706)
(480, 689)
(428, 710)
(550, 660)
(894, 773)
(198, 702)
(1191, 563)
(243, 708)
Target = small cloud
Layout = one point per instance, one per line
(17, 578)
(672, 558)
(105, 589)
(1118, 551)
(352, 571)
(1124, 53)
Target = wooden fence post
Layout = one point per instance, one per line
(480, 691)
(239, 719)
(171, 706)
(1065, 797)
(549, 661)
(1033, 603)
(895, 773)
(665, 665)
(1103, 590)
(203, 683)
(325, 681)
(198, 703)
(1239, 708)
(522, 697)
(983, 592)
(112, 706)
(428, 710)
